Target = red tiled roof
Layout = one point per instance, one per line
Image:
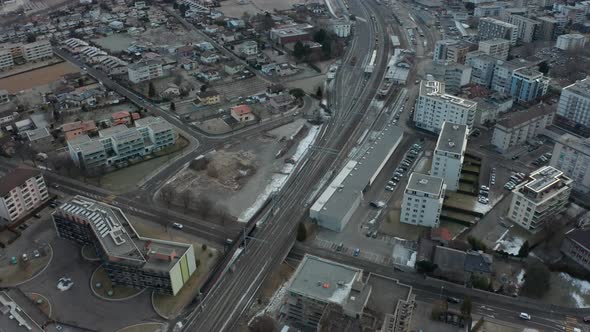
(120, 115)
(441, 233)
(241, 109)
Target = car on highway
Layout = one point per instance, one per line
(454, 300)
(357, 252)
(178, 225)
(524, 315)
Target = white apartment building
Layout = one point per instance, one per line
(38, 50)
(571, 155)
(571, 41)
(434, 107)
(497, 47)
(539, 198)
(502, 76)
(574, 102)
(527, 27)
(22, 190)
(145, 70)
(490, 28)
(117, 145)
(519, 127)
(423, 200)
(449, 153)
(6, 61)
(482, 67)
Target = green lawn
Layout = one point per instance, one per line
(119, 292)
(460, 201)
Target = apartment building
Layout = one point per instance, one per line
(434, 107)
(526, 27)
(548, 28)
(571, 41)
(519, 127)
(38, 50)
(423, 200)
(6, 61)
(317, 283)
(574, 102)
(489, 108)
(22, 190)
(482, 67)
(528, 84)
(451, 50)
(448, 154)
(497, 47)
(539, 198)
(341, 27)
(576, 245)
(502, 76)
(491, 28)
(454, 75)
(117, 145)
(128, 258)
(571, 155)
(145, 70)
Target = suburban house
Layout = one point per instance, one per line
(209, 75)
(460, 266)
(186, 51)
(121, 117)
(171, 91)
(232, 68)
(209, 97)
(77, 128)
(209, 58)
(281, 103)
(242, 113)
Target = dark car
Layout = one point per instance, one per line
(453, 300)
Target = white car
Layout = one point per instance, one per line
(177, 225)
(389, 188)
(484, 188)
(65, 284)
(525, 316)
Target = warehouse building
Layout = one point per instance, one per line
(336, 205)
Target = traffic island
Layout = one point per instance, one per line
(15, 270)
(42, 302)
(145, 327)
(104, 289)
(89, 254)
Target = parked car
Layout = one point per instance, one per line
(340, 246)
(25, 257)
(36, 253)
(357, 252)
(389, 188)
(586, 319)
(377, 204)
(484, 188)
(37, 215)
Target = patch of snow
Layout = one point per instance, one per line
(278, 180)
(274, 305)
(509, 243)
(341, 292)
(520, 278)
(579, 288)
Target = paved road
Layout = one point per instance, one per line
(233, 293)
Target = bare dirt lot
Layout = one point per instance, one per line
(159, 37)
(236, 175)
(35, 78)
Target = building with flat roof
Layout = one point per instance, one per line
(519, 127)
(119, 144)
(528, 84)
(145, 70)
(423, 200)
(449, 153)
(539, 198)
(21, 191)
(451, 50)
(324, 295)
(574, 102)
(128, 258)
(38, 50)
(482, 67)
(336, 205)
(576, 245)
(502, 76)
(527, 27)
(19, 314)
(490, 28)
(454, 75)
(571, 155)
(497, 47)
(571, 41)
(434, 106)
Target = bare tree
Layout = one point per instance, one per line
(167, 194)
(204, 206)
(187, 198)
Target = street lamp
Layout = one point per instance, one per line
(441, 291)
